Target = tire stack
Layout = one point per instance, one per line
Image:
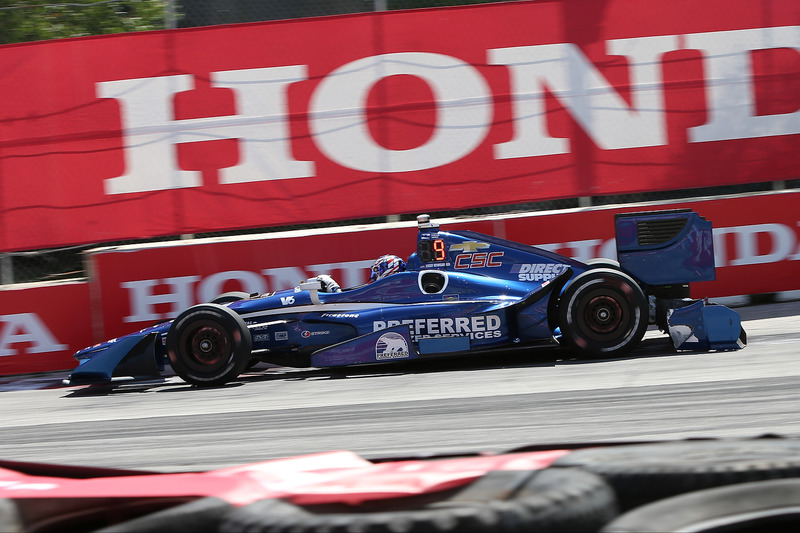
(703, 486)
(694, 485)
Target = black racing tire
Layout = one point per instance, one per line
(10, 518)
(603, 262)
(228, 297)
(203, 515)
(554, 500)
(235, 296)
(602, 312)
(772, 505)
(208, 345)
(644, 473)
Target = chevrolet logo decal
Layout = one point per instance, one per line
(468, 246)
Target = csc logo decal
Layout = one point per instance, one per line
(478, 260)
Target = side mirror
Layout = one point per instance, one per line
(313, 287)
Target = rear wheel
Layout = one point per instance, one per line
(603, 312)
(208, 344)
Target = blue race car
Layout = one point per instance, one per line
(460, 293)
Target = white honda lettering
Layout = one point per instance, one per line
(143, 300)
(26, 328)
(214, 285)
(463, 112)
(781, 240)
(602, 113)
(731, 105)
(585, 250)
(150, 133)
(464, 108)
(796, 255)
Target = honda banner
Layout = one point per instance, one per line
(133, 136)
(41, 326)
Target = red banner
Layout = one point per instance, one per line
(42, 326)
(220, 128)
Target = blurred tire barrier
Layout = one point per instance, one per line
(198, 516)
(553, 500)
(10, 521)
(748, 507)
(643, 473)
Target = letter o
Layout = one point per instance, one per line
(338, 118)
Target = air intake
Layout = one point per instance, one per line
(655, 232)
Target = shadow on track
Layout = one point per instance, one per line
(527, 357)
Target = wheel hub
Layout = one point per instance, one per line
(603, 314)
(208, 345)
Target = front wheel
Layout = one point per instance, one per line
(228, 297)
(603, 312)
(208, 344)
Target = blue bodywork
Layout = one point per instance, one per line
(462, 292)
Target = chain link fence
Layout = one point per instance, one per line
(32, 20)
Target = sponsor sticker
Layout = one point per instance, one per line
(306, 334)
(538, 271)
(474, 327)
(391, 345)
(479, 260)
(468, 246)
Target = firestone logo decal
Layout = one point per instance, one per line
(538, 272)
(391, 345)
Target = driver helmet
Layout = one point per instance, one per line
(386, 265)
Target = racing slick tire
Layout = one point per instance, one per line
(602, 312)
(235, 296)
(228, 297)
(554, 500)
(643, 473)
(604, 262)
(208, 345)
(203, 515)
(772, 505)
(10, 518)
